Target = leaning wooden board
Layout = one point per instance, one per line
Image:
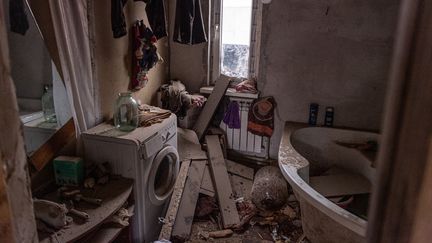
(221, 182)
(174, 204)
(184, 219)
(211, 105)
(340, 184)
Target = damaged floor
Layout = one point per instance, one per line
(205, 209)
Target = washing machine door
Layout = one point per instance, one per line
(163, 175)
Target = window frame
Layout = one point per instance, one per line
(215, 45)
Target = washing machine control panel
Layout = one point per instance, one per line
(169, 131)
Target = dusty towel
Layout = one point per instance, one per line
(261, 116)
(149, 115)
(232, 115)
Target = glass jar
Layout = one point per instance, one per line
(48, 104)
(126, 112)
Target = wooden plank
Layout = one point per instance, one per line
(207, 187)
(239, 169)
(241, 186)
(175, 201)
(184, 219)
(211, 105)
(340, 185)
(55, 143)
(221, 182)
(189, 146)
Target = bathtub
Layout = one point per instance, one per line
(306, 150)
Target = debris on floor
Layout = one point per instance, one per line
(216, 200)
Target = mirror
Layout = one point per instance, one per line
(41, 93)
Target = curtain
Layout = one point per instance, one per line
(71, 29)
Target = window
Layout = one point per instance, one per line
(235, 31)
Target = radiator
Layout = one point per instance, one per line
(242, 141)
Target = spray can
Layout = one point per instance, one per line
(329, 116)
(313, 114)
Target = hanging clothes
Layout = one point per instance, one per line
(17, 16)
(232, 115)
(155, 10)
(261, 116)
(144, 55)
(118, 21)
(189, 26)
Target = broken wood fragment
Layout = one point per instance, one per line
(174, 202)
(52, 147)
(221, 182)
(221, 233)
(211, 105)
(184, 219)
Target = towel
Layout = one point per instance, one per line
(149, 115)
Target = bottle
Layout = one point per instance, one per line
(126, 112)
(313, 114)
(48, 104)
(329, 114)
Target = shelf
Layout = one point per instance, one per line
(105, 234)
(114, 194)
(230, 92)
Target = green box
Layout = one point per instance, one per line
(68, 170)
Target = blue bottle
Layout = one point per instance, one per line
(313, 114)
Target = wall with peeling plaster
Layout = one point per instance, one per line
(336, 53)
(113, 57)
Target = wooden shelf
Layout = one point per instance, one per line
(114, 194)
(105, 234)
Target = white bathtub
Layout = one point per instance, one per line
(303, 148)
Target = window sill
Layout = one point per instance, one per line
(230, 93)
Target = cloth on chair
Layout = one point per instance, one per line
(232, 115)
(261, 117)
(176, 99)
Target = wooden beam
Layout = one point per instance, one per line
(55, 143)
(211, 105)
(185, 215)
(174, 204)
(403, 157)
(221, 182)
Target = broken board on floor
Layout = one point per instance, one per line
(340, 184)
(174, 202)
(185, 215)
(221, 182)
(211, 105)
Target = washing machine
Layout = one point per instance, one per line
(149, 156)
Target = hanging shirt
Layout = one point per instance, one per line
(17, 16)
(189, 26)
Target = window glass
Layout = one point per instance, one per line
(235, 37)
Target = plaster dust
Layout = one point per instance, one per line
(113, 57)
